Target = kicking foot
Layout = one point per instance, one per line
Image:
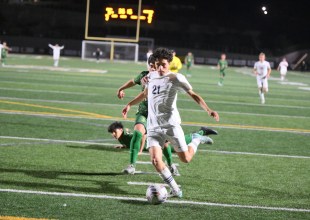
(178, 194)
(129, 170)
(208, 131)
(174, 170)
(203, 139)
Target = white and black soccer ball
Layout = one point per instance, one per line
(156, 194)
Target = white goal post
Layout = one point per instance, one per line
(110, 50)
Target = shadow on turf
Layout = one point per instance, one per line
(98, 147)
(104, 186)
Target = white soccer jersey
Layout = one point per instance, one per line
(56, 51)
(262, 68)
(283, 66)
(162, 97)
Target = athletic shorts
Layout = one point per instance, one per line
(173, 134)
(262, 82)
(141, 119)
(283, 72)
(222, 72)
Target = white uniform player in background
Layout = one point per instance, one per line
(283, 68)
(262, 71)
(56, 53)
(164, 120)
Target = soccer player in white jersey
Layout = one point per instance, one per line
(283, 68)
(262, 71)
(56, 53)
(164, 119)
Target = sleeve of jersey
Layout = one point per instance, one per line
(137, 79)
(183, 84)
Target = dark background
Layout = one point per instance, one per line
(227, 26)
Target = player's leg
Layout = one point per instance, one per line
(221, 79)
(260, 89)
(155, 150)
(264, 89)
(135, 143)
(185, 152)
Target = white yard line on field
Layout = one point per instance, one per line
(193, 124)
(148, 183)
(82, 195)
(183, 109)
(254, 154)
(57, 141)
(145, 153)
(48, 91)
(58, 69)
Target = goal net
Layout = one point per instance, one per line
(110, 50)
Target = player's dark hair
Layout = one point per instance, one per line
(151, 59)
(163, 53)
(115, 125)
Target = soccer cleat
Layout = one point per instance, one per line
(178, 194)
(208, 131)
(174, 170)
(130, 169)
(203, 139)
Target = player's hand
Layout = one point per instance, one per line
(144, 80)
(125, 111)
(140, 152)
(215, 115)
(120, 94)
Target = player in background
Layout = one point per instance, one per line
(262, 71)
(97, 54)
(176, 64)
(222, 66)
(283, 68)
(3, 53)
(139, 134)
(124, 137)
(164, 119)
(189, 61)
(56, 53)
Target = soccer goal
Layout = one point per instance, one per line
(110, 50)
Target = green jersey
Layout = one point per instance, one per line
(223, 64)
(189, 60)
(142, 110)
(125, 138)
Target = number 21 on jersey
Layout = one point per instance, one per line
(156, 90)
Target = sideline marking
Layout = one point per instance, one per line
(147, 154)
(147, 184)
(197, 124)
(150, 163)
(48, 91)
(20, 218)
(255, 154)
(56, 108)
(59, 69)
(144, 200)
(57, 141)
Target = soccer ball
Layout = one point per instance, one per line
(156, 194)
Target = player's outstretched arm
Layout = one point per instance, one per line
(51, 46)
(135, 101)
(120, 91)
(203, 105)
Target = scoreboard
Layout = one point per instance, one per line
(117, 20)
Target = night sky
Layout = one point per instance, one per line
(286, 25)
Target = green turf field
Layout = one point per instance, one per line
(57, 159)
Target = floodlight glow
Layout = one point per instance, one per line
(264, 8)
(265, 12)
